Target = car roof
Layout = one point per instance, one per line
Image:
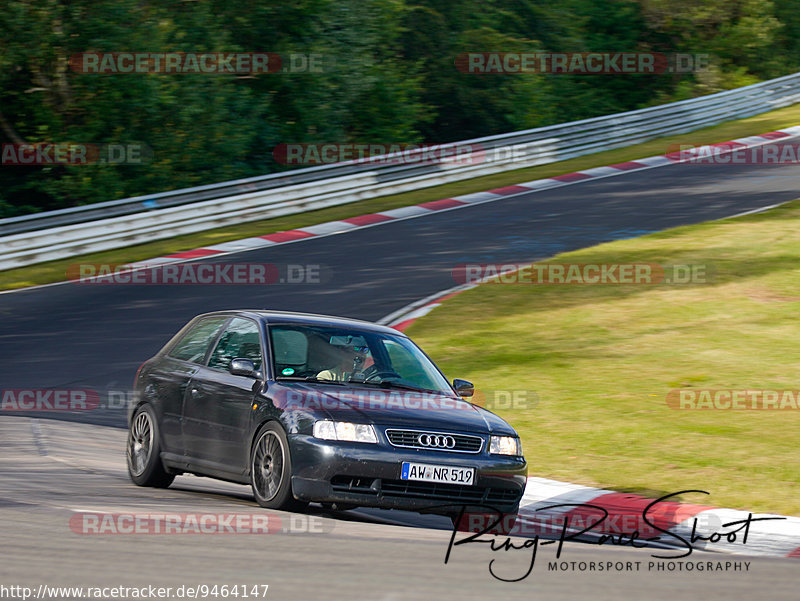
(314, 319)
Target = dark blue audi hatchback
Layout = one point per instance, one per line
(312, 408)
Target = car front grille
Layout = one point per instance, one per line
(436, 491)
(415, 439)
(354, 484)
(430, 491)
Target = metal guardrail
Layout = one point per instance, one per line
(53, 235)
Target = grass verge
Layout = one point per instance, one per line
(602, 359)
(54, 271)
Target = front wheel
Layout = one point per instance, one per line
(144, 451)
(271, 470)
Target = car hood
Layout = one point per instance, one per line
(396, 408)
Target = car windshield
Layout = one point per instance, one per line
(336, 355)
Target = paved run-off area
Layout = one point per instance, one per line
(52, 471)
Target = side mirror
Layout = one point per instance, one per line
(243, 367)
(464, 388)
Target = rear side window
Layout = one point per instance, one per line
(194, 343)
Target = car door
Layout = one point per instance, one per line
(171, 374)
(217, 408)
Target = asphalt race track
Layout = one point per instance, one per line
(95, 336)
(50, 470)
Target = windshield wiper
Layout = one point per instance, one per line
(391, 384)
(383, 384)
(309, 379)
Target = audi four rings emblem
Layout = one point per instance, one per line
(436, 440)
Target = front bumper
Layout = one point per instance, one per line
(368, 475)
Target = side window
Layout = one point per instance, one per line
(290, 348)
(240, 340)
(194, 344)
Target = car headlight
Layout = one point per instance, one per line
(505, 445)
(330, 430)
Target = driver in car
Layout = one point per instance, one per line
(351, 360)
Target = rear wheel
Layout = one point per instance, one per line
(271, 470)
(144, 451)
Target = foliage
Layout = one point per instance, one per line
(388, 76)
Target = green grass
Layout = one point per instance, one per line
(602, 359)
(54, 271)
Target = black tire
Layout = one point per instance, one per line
(271, 469)
(144, 450)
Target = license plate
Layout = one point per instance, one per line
(446, 474)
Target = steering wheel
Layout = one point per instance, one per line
(378, 373)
